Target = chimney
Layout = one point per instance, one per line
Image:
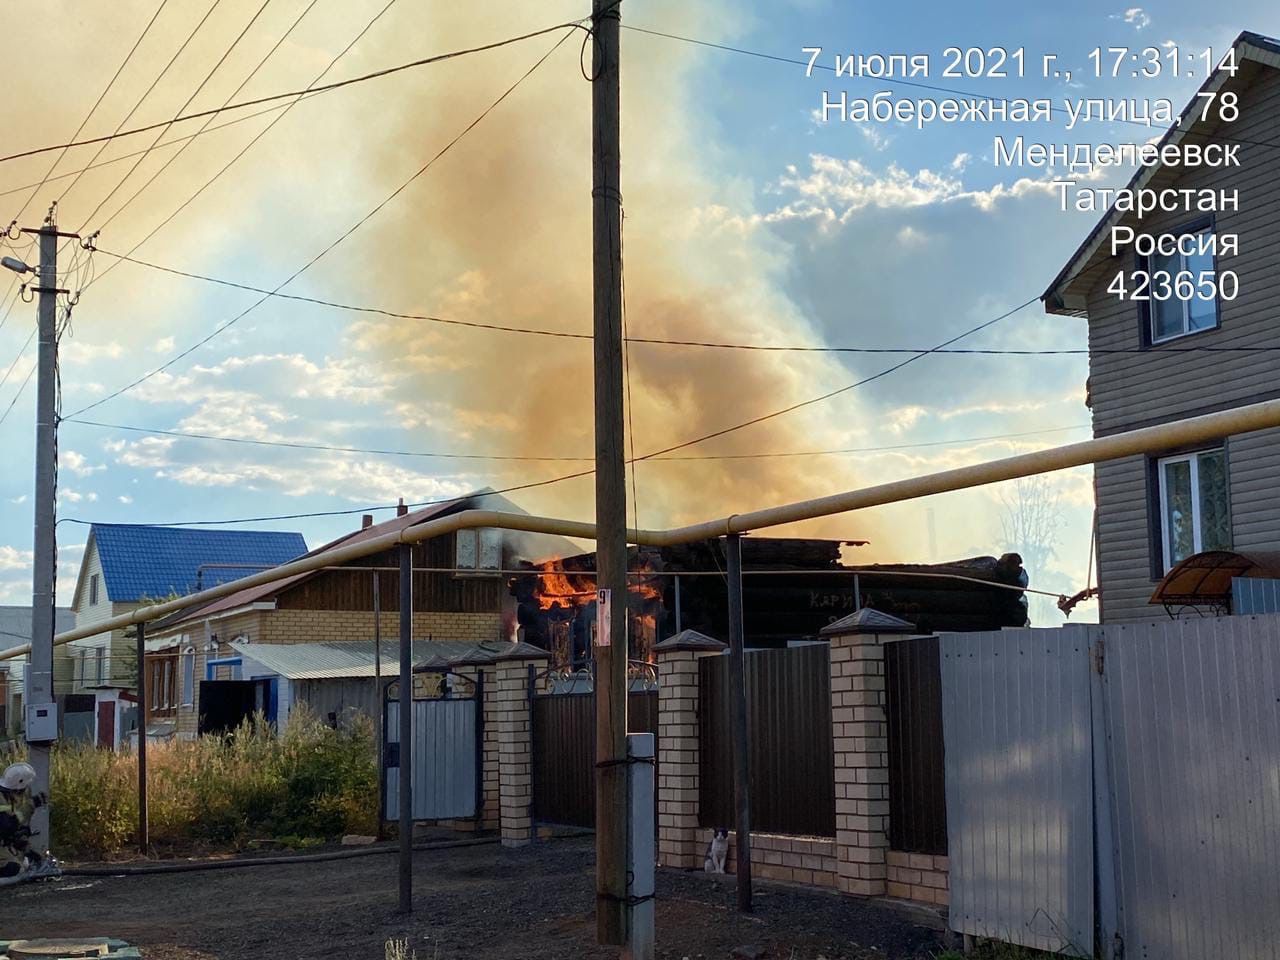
(366, 521)
(401, 509)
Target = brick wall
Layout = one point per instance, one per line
(918, 876)
(809, 860)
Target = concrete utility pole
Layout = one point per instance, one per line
(613, 912)
(41, 708)
(144, 839)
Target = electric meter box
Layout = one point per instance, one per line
(42, 722)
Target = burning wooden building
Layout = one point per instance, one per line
(792, 589)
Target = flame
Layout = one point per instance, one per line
(556, 587)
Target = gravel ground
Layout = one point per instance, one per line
(474, 902)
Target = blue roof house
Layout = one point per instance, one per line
(126, 566)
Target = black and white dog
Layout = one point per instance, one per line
(717, 850)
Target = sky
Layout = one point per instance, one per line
(747, 219)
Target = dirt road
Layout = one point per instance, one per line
(473, 902)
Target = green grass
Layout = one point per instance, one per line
(308, 784)
(996, 950)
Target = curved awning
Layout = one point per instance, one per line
(1204, 579)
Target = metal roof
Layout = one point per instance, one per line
(140, 562)
(341, 659)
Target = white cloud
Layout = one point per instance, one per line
(76, 463)
(11, 558)
(125, 499)
(875, 136)
(961, 161)
(1136, 17)
(79, 352)
(21, 498)
(911, 238)
(163, 345)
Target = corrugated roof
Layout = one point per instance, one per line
(337, 660)
(140, 562)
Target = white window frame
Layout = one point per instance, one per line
(1197, 539)
(1185, 304)
(93, 590)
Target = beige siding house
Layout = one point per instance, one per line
(1157, 361)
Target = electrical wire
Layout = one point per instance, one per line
(724, 431)
(165, 129)
(92, 110)
(103, 141)
(356, 226)
(283, 112)
(209, 120)
(325, 88)
(166, 143)
(445, 455)
(706, 344)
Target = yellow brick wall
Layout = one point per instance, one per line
(919, 876)
(809, 860)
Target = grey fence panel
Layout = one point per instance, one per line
(1254, 595)
(444, 759)
(1016, 724)
(1194, 733)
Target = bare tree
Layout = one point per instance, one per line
(1031, 523)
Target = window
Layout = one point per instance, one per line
(1194, 504)
(478, 550)
(188, 676)
(93, 590)
(1183, 289)
(100, 665)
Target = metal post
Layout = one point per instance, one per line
(406, 728)
(379, 700)
(612, 814)
(679, 618)
(38, 689)
(737, 681)
(143, 829)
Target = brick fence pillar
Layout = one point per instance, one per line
(678, 656)
(860, 737)
(515, 741)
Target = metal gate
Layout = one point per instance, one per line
(447, 742)
(563, 728)
(1116, 790)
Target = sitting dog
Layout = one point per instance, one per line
(717, 850)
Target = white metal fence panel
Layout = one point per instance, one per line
(1016, 721)
(444, 764)
(1192, 713)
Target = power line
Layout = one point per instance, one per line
(110, 83)
(354, 510)
(283, 112)
(388, 71)
(165, 129)
(445, 455)
(659, 341)
(835, 393)
(129, 156)
(21, 389)
(205, 126)
(361, 222)
(103, 141)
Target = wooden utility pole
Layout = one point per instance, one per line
(612, 813)
(741, 744)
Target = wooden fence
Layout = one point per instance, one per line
(789, 732)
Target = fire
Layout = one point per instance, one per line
(557, 587)
(566, 601)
